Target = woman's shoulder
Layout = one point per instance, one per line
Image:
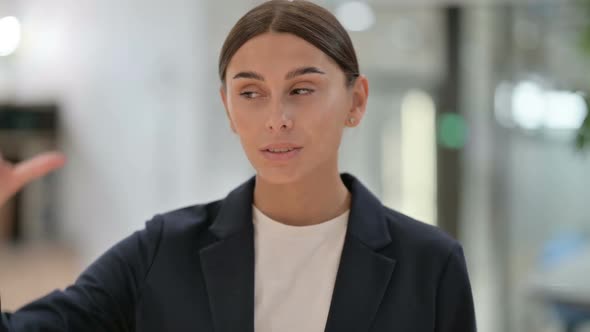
(412, 235)
(189, 219)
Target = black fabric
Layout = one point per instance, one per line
(193, 270)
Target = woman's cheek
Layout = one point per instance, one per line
(246, 112)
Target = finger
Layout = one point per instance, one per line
(36, 167)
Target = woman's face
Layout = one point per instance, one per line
(289, 104)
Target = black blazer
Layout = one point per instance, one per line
(193, 270)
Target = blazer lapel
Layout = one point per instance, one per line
(228, 267)
(362, 279)
(228, 264)
(363, 274)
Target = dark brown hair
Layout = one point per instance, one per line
(302, 18)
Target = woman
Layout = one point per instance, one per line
(298, 247)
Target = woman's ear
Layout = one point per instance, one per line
(360, 95)
(223, 94)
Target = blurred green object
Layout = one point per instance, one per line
(452, 131)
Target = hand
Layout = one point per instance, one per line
(14, 177)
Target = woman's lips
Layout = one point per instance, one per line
(281, 156)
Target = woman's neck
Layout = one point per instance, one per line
(312, 200)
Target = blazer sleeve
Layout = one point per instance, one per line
(104, 296)
(454, 301)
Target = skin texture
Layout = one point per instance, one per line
(268, 101)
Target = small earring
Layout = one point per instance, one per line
(351, 120)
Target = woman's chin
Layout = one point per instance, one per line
(279, 176)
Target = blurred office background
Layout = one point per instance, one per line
(475, 124)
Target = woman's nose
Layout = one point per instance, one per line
(279, 119)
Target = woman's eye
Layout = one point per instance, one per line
(301, 91)
(249, 94)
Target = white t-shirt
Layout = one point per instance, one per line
(295, 271)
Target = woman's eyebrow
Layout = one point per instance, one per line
(302, 71)
(249, 74)
(290, 75)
